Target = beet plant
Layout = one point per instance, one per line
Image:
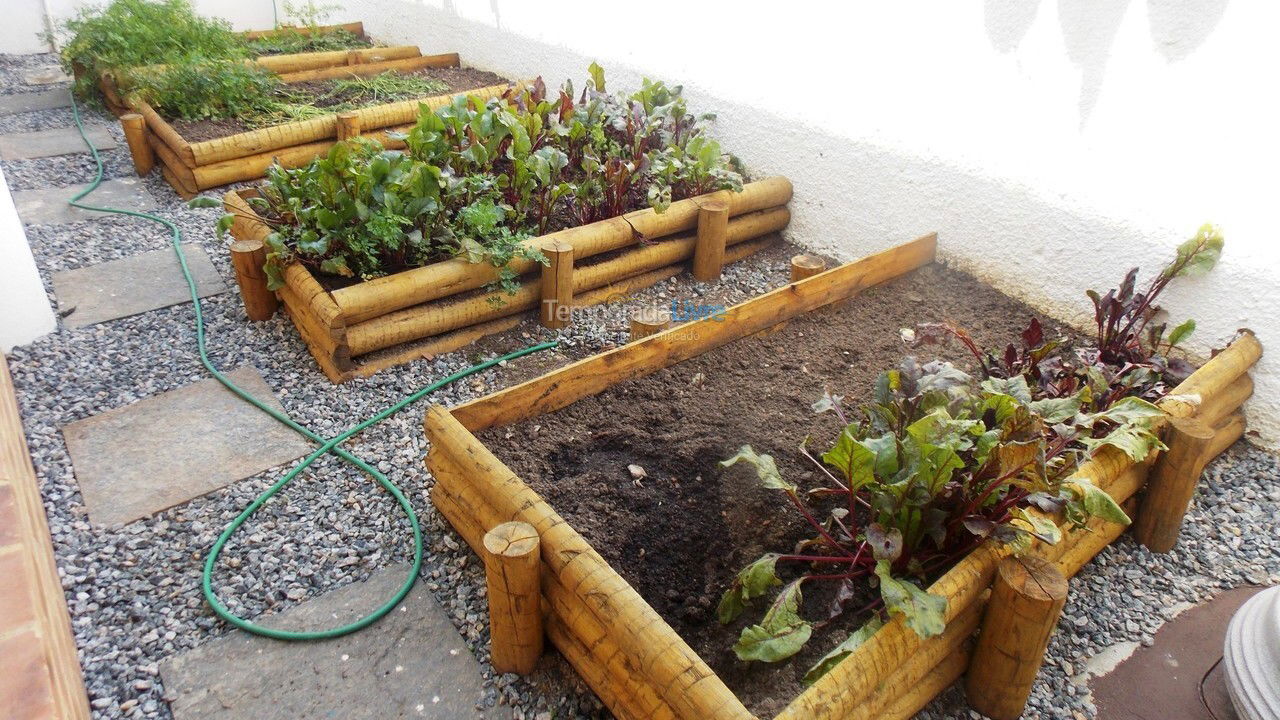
(939, 463)
(1132, 352)
(479, 178)
(942, 461)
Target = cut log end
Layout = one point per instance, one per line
(248, 256)
(557, 285)
(512, 576)
(713, 233)
(512, 540)
(1026, 600)
(1033, 578)
(348, 125)
(649, 320)
(803, 266)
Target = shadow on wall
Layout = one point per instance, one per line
(1089, 29)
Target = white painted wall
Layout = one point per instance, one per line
(27, 314)
(1051, 144)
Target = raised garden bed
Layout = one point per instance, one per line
(192, 166)
(280, 62)
(624, 648)
(443, 306)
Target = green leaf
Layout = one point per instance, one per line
(597, 76)
(1056, 410)
(1015, 387)
(1135, 441)
(204, 202)
(752, 581)
(843, 650)
(766, 469)
(224, 224)
(313, 243)
(1198, 255)
(885, 449)
(935, 466)
(854, 460)
(275, 276)
(924, 613)
(336, 266)
(1130, 409)
(782, 632)
(939, 428)
(1037, 525)
(1097, 502)
(1182, 332)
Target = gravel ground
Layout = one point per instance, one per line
(133, 590)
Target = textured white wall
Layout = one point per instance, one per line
(1051, 144)
(27, 314)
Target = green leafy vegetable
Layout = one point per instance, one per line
(924, 613)
(480, 178)
(843, 650)
(782, 632)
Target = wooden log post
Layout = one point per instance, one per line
(1226, 433)
(512, 566)
(1026, 600)
(1172, 483)
(713, 230)
(557, 285)
(135, 133)
(1219, 405)
(803, 266)
(354, 57)
(248, 256)
(649, 320)
(348, 125)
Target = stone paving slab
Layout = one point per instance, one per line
(410, 664)
(46, 75)
(167, 449)
(132, 285)
(28, 102)
(49, 206)
(1173, 678)
(49, 143)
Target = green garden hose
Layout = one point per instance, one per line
(326, 446)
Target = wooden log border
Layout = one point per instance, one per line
(637, 665)
(39, 650)
(192, 167)
(442, 306)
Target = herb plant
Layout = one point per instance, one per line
(133, 33)
(211, 90)
(201, 78)
(257, 98)
(937, 464)
(305, 16)
(479, 178)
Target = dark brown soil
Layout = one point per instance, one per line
(681, 533)
(322, 96)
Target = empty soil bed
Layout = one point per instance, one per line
(325, 94)
(681, 533)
